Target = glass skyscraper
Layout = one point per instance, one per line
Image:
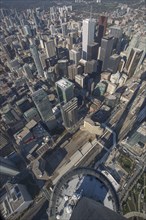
(37, 61)
(44, 108)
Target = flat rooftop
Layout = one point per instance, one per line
(64, 83)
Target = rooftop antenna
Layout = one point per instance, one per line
(91, 12)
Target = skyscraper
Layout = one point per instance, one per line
(43, 58)
(80, 80)
(27, 72)
(63, 67)
(44, 108)
(64, 29)
(37, 61)
(113, 63)
(70, 113)
(138, 136)
(133, 61)
(65, 90)
(50, 49)
(88, 35)
(101, 29)
(92, 51)
(7, 167)
(74, 56)
(27, 30)
(106, 51)
(116, 32)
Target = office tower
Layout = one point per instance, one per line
(24, 104)
(69, 41)
(63, 67)
(114, 78)
(71, 72)
(101, 29)
(70, 113)
(27, 30)
(64, 29)
(7, 167)
(14, 65)
(113, 63)
(27, 72)
(91, 67)
(74, 56)
(111, 87)
(92, 51)
(115, 31)
(36, 20)
(15, 200)
(43, 58)
(44, 108)
(106, 51)
(133, 61)
(52, 29)
(100, 89)
(80, 69)
(88, 35)
(103, 21)
(36, 59)
(50, 49)
(6, 147)
(65, 90)
(32, 113)
(80, 80)
(9, 115)
(10, 53)
(74, 35)
(138, 136)
(138, 41)
(50, 76)
(121, 65)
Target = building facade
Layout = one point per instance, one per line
(36, 59)
(44, 108)
(88, 35)
(65, 90)
(70, 113)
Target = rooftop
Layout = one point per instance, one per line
(64, 83)
(31, 124)
(13, 199)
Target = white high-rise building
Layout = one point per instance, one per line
(88, 35)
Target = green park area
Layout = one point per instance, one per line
(126, 163)
(136, 197)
